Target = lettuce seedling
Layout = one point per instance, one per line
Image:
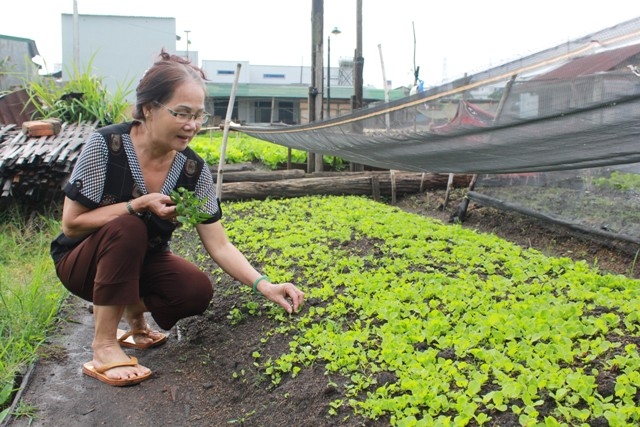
(190, 209)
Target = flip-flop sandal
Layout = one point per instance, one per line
(99, 374)
(126, 339)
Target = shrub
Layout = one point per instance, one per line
(81, 99)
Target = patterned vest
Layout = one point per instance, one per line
(119, 186)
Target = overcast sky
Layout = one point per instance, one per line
(451, 37)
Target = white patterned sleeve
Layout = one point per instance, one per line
(206, 188)
(90, 171)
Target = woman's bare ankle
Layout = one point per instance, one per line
(108, 352)
(134, 316)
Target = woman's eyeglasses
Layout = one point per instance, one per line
(199, 118)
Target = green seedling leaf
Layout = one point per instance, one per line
(191, 209)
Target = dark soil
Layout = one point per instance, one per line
(615, 257)
(204, 375)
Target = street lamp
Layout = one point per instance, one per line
(188, 42)
(335, 31)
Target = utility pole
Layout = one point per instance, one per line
(317, 74)
(358, 62)
(76, 36)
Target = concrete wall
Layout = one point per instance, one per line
(119, 48)
(224, 72)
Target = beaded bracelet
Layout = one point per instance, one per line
(130, 209)
(255, 284)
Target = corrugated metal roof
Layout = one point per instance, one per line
(15, 108)
(591, 64)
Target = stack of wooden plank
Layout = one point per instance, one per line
(36, 167)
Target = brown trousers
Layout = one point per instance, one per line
(113, 267)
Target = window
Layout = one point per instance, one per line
(263, 112)
(220, 111)
(285, 112)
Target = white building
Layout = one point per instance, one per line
(117, 48)
(120, 48)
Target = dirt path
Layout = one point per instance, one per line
(203, 376)
(67, 398)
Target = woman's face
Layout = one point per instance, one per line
(167, 120)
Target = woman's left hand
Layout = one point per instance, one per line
(284, 294)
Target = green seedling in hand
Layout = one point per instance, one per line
(190, 209)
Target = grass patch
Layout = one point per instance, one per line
(30, 294)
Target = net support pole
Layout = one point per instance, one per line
(448, 191)
(225, 133)
(461, 212)
(392, 176)
(386, 88)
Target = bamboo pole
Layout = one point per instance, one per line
(273, 110)
(386, 87)
(225, 134)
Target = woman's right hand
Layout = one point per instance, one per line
(286, 295)
(158, 204)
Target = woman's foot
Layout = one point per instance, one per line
(140, 338)
(139, 334)
(110, 354)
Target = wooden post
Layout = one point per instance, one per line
(447, 193)
(375, 187)
(392, 176)
(424, 174)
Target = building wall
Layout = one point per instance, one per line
(16, 65)
(224, 72)
(119, 48)
(281, 75)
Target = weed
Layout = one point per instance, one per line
(26, 410)
(30, 292)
